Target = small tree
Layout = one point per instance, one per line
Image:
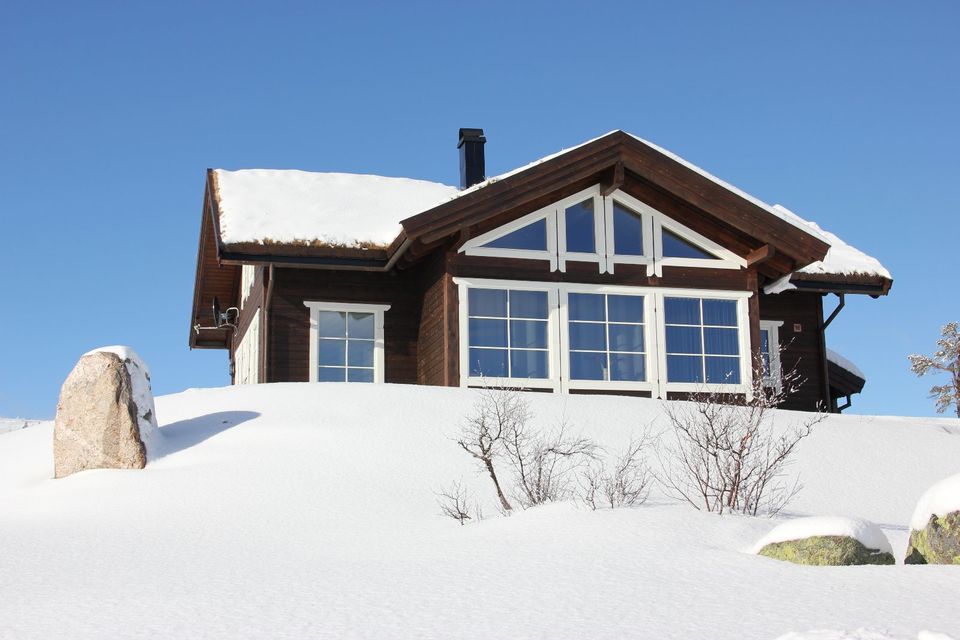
(454, 502)
(496, 414)
(626, 484)
(726, 455)
(947, 360)
(543, 465)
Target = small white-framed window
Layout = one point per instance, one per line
(346, 341)
(770, 353)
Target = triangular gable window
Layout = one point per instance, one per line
(608, 230)
(532, 237)
(676, 247)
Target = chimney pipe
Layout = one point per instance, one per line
(472, 169)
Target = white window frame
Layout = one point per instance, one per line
(654, 337)
(377, 310)
(743, 342)
(775, 378)
(651, 364)
(652, 224)
(474, 246)
(466, 380)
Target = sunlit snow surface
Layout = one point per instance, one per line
(300, 511)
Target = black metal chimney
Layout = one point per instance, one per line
(472, 168)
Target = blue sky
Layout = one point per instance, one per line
(110, 112)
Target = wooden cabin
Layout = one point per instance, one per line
(611, 267)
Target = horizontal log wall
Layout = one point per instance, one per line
(800, 350)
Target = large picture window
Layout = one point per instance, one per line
(606, 337)
(346, 342)
(569, 336)
(702, 341)
(508, 334)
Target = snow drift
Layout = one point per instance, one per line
(298, 510)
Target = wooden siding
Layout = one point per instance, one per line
(800, 350)
(432, 338)
(288, 348)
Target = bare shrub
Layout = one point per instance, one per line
(544, 465)
(731, 457)
(626, 484)
(496, 413)
(455, 502)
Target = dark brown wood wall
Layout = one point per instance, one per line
(432, 344)
(800, 350)
(288, 349)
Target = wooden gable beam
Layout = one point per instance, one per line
(761, 255)
(615, 182)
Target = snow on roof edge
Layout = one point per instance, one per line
(844, 363)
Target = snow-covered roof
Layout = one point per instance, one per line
(267, 206)
(844, 364)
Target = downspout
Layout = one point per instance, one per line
(823, 350)
(266, 324)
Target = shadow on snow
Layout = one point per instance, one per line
(184, 434)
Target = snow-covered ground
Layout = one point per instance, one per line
(15, 424)
(300, 511)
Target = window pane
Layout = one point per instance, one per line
(588, 366)
(528, 334)
(721, 341)
(723, 370)
(487, 302)
(332, 352)
(528, 304)
(528, 364)
(333, 324)
(722, 313)
(626, 337)
(684, 340)
(488, 362)
(684, 369)
(627, 231)
(580, 227)
(626, 367)
(360, 325)
(765, 341)
(676, 247)
(331, 374)
(682, 310)
(625, 308)
(531, 237)
(360, 375)
(586, 306)
(487, 333)
(588, 336)
(766, 363)
(360, 353)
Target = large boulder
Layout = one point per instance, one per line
(105, 415)
(831, 541)
(935, 525)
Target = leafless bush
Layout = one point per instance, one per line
(626, 484)
(731, 457)
(496, 414)
(455, 502)
(544, 465)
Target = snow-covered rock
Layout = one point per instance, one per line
(827, 540)
(935, 525)
(105, 415)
